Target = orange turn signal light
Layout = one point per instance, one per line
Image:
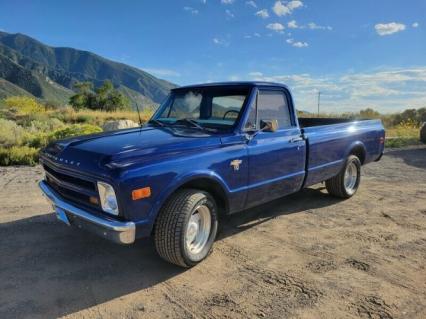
(94, 200)
(141, 193)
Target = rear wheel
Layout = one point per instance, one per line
(346, 183)
(186, 227)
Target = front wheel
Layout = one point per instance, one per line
(346, 183)
(186, 227)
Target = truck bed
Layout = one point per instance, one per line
(329, 141)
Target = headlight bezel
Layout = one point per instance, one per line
(108, 198)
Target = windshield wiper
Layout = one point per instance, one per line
(189, 121)
(194, 124)
(154, 121)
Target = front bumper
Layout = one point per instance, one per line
(114, 230)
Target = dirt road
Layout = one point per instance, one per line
(307, 256)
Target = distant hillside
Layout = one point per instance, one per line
(49, 73)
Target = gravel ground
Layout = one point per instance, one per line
(307, 255)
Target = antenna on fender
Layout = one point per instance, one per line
(139, 115)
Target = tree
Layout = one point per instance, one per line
(421, 114)
(104, 98)
(83, 97)
(369, 113)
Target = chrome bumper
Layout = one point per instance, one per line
(116, 231)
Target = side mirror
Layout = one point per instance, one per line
(268, 125)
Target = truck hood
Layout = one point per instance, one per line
(127, 147)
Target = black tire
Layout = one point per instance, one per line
(336, 185)
(172, 223)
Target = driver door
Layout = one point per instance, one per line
(276, 159)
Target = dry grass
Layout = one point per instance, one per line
(69, 115)
(404, 129)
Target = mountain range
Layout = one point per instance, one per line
(29, 67)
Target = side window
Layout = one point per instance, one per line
(272, 105)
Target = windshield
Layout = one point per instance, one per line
(213, 107)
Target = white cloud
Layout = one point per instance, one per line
(314, 26)
(251, 4)
(386, 90)
(292, 24)
(294, 4)
(227, 1)
(221, 42)
(191, 10)
(162, 72)
(289, 40)
(234, 78)
(415, 25)
(262, 13)
(275, 26)
(300, 44)
(389, 28)
(281, 9)
(229, 14)
(255, 74)
(254, 35)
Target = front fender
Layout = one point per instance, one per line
(181, 180)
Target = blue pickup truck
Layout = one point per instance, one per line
(209, 150)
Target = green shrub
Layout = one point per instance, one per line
(52, 105)
(18, 155)
(49, 125)
(37, 140)
(401, 142)
(84, 118)
(24, 105)
(10, 133)
(75, 130)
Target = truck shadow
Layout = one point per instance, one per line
(48, 270)
(413, 157)
(303, 201)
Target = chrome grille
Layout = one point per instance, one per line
(73, 188)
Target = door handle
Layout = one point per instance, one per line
(296, 139)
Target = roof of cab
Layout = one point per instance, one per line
(233, 83)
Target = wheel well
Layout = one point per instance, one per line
(209, 186)
(213, 188)
(359, 152)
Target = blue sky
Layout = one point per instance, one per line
(359, 54)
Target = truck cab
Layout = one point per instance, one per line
(209, 150)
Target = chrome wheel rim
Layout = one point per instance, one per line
(198, 229)
(351, 177)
